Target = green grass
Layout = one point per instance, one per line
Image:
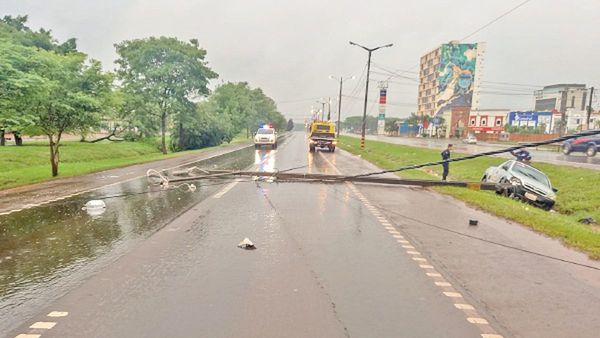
(578, 194)
(31, 162)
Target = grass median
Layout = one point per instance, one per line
(578, 194)
(30, 163)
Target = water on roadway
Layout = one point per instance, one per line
(46, 250)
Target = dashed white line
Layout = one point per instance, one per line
(452, 294)
(476, 320)
(58, 314)
(464, 306)
(419, 259)
(225, 189)
(433, 274)
(443, 284)
(42, 325)
(24, 335)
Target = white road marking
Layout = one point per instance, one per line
(22, 335)
(58, 314)
(432, 273)
(225, 189)
(477, 320)
(42, 325)
(453, 294)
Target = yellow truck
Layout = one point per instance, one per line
(322, 135)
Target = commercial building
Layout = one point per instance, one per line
(568, 101)
(491, 121)
(534, 119)
(449, 77)
(561, 97)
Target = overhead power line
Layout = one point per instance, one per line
(496, 19)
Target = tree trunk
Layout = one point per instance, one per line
(54, 154)
(180, 142)
(163, 126)
(18, 139)
(2, 139)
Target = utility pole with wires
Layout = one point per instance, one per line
(339, 126)
(589, 108)
(364, 120)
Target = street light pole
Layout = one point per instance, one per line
(339, 125)
(364, 121)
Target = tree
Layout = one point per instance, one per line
(164, 75)
(290, 125)
(73, 96)
(391, 124)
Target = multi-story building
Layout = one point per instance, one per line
(568, 101)
(449, 77)
(491, 121)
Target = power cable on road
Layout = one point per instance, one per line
(487, 153)
(493, 242)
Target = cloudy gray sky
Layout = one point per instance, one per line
(289, 48)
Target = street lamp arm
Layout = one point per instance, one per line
(361, 46)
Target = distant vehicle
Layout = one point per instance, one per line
(322, 135)
(265, 136)
(587, 144)
(471, 139)
(521, 181)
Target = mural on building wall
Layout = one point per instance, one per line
(456, 76)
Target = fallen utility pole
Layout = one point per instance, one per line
(321, 178)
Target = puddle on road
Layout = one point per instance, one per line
(46, 250)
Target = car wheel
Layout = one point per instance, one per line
(484, 178)
(566, 149)
(256, 146)
(311, 149)
(591, 150)
(274, 145)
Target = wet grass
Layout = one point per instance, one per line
(30, 163)
(578, 194)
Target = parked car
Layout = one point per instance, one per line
(471, 139)
(587, 144)
(522, 181)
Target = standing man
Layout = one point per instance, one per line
(446, 156)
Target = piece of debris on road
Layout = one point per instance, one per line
(246, 244)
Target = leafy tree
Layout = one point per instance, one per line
(163, 75)
(355, 123)
(391, 124)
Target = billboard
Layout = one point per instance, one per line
(456, 75)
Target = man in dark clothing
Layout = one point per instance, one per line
(446, 156)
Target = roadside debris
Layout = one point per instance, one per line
(95, 207)
(587, 220)
(246, 244)
(473, 222)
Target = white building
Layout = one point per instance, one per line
(569, 100)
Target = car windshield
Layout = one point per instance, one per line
(528, 171)
(265, 131)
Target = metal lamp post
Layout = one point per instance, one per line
(364, 121)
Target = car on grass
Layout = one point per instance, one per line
(265, 136)
(471, 139)
(521, 181)
(587, 144)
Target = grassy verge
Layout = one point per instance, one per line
(31, 162)
(578, 194)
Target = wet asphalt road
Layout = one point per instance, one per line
(579, 160)
(327, 265)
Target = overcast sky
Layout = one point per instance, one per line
(289, 48)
